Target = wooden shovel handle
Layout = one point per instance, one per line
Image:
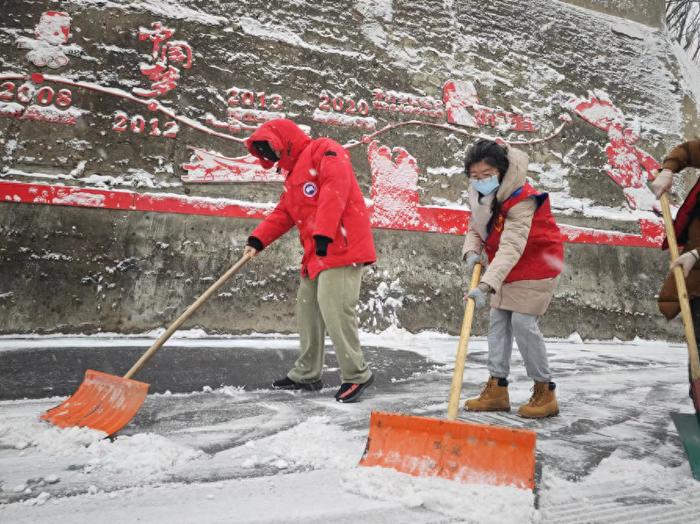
(682, 290)
(187, 314)
(462, 348)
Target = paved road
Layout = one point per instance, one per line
(45, 372)
(612, 455)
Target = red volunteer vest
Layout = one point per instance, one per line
(685, 214)
(544, 252)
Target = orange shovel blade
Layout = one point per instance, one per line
(104, 402)
(472, 453)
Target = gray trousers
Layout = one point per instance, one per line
(503, 326)
(328, 303)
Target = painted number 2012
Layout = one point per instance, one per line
(139, 125)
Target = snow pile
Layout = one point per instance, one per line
(144, 455)
(641, 475)
(24, 434)
(316, 443)
(470, 502)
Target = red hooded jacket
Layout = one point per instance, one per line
(544, 252)
(321, 197)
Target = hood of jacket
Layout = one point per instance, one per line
(516, 176)
(285, 137)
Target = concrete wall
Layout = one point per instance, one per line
(73, 269)
(649, 12)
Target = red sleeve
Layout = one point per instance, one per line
(335, 178)
(275, 224)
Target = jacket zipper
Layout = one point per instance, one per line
(344, 233)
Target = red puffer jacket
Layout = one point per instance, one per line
(321, 197)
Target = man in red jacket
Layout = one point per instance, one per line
(323, 199)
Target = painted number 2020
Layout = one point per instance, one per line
(343, 104)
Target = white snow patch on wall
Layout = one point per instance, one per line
(630, 29)
(281, 33)
(80, 199)
(167, 8)
(690, 72)
(374, 12)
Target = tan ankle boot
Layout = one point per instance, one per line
(493, 398)
(543, 402)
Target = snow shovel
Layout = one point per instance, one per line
(455, 450)
(107, 402)
(688, 425)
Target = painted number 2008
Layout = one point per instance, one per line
(26, 93)
(138, 124)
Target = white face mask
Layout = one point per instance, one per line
(486, 186)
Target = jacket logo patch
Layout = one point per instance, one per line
(500, 221)
(310, 189)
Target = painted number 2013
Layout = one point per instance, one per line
(139, 125)
(246, 98)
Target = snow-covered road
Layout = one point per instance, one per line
(231, 451)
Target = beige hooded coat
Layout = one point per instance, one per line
(531, 297)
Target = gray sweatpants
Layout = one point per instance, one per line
(328, 304)
(503, 326)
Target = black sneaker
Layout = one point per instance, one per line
(349, 392)
(288, 383)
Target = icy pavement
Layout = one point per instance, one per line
(213, 445)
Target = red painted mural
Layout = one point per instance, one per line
(394, 192)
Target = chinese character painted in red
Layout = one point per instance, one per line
(49, 47)
(460, 99)
(161, 73)
(628, 166)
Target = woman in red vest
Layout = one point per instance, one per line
(323, 200)
(512, 223)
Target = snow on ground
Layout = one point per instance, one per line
(247, 454)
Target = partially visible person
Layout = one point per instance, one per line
(513, 224)
(687, 227)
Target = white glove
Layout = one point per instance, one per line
(471, 259)
(479, 294)
(662, 182)
(686, 261)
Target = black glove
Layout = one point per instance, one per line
(255, 243)
(322, 245)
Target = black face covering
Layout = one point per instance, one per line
(265, 150)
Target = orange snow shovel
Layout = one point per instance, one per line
(688, 425)
(107, 402)
(467, 452)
